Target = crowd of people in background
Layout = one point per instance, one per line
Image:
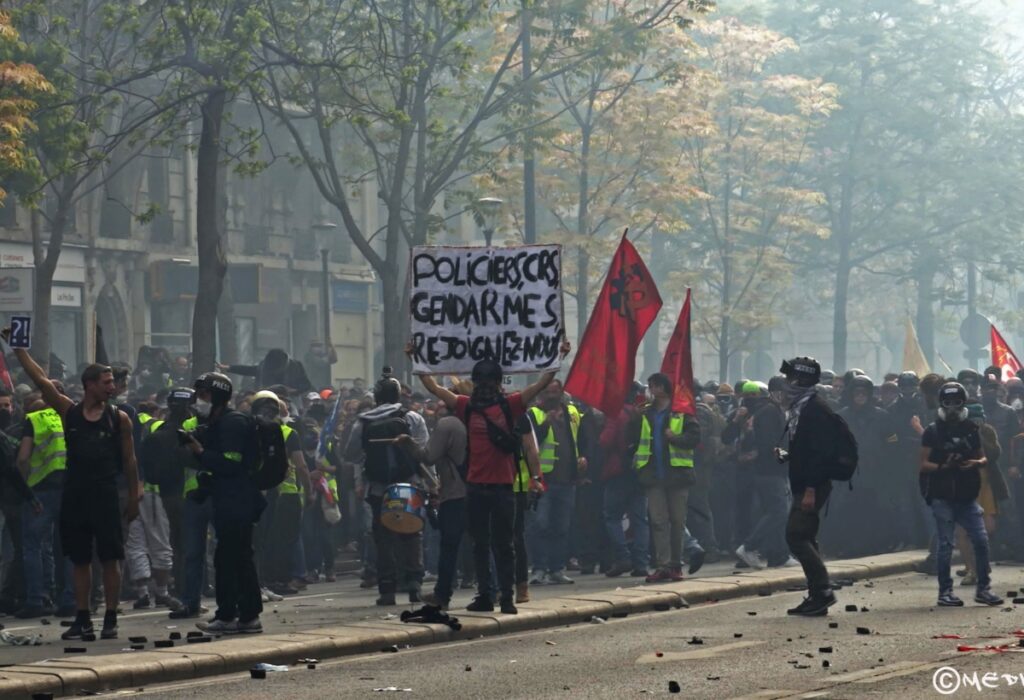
(531, 482)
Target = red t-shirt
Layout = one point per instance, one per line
(488, 464)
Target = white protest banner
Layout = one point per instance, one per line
(474, 303)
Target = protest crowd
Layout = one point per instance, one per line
(249, 483)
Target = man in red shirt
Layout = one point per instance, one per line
(490, 502)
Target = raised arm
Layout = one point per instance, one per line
(53, 398)
(531, 392)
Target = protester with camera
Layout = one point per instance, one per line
(952, 456)
(490, 417)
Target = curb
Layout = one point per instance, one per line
(72, 675)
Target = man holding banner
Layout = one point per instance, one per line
(491, 311)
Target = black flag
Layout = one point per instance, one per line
(101, 350)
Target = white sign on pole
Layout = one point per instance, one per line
(16, 289)
(473, 303)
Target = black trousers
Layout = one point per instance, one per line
(802, 538)
(519, 538)
(399, 557)
(282, 538)
(451, 518)
(13, 585)
(491, 511)
(238, 587)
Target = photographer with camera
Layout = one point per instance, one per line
(492, 465)
(226, 459)
(951, 458)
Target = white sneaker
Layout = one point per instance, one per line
(270, 597)
(752, 559)
(539, 578)
(264, 596)
(790, 562)
(216, 626)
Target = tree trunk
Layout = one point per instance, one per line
(652, 342)
(925, 318)
(226, 335)
(210, 214)
(396, 318)
(723, 333)
(583, 231)
(840, 331)
(41, 303)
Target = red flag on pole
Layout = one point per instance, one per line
(1003, 357)
(605, 363)
(678, 363)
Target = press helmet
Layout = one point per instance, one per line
(217, 384)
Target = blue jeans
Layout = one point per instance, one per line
(548, 527)
(969, 516)
(37, 539)
(195, 523)
(451, 520)
(769, 533)
(624, 496)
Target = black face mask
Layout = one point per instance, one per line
(311, 442)
(5, 419)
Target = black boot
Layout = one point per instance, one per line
(387, 593)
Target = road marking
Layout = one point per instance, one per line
(692, 654)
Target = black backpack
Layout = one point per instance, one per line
(271, 455)
(843, 464)
(386, 462)
(163, 457)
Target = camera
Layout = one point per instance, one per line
(387, 372)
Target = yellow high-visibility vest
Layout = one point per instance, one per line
(678, 457)
(49, 447)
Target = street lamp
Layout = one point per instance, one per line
(324, 232)
(489, 208)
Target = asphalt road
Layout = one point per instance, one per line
(321, 605)
(747, 648)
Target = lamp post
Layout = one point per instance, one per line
(324, 233)
(489, 208)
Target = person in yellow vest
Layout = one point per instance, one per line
(154, 547)
(663, 457)
(100, 453)
(281, 522)
(556, 425)
(42, 458)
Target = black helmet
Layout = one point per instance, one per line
(485, 370)
(908, 380)
(968, 376)
(952, 395)
(217, 384)
(805, 370)
(862, 381)
(387, 390)
(180, 396)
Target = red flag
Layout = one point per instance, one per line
(678, 363)
(605, 363)
(1003, 357)
(5, 375)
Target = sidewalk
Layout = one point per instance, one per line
(72, 673)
